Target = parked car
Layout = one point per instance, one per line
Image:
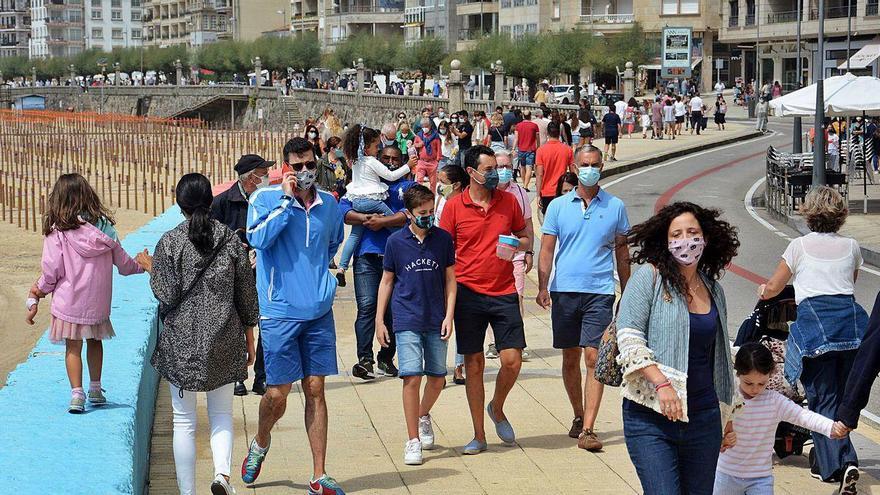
(565, 94)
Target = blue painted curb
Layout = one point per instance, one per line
(43, 449)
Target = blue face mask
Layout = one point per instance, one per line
(425, 222)
(490, 179)
(338, 153)
(505, 175)
(589, 176)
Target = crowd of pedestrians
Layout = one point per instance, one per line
(442, 238)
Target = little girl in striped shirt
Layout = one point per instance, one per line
(747, 467)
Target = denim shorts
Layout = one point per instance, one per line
(526, 158)
(421, 353)
(726, 484)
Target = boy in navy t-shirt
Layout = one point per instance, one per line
(419, 281)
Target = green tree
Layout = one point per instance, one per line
(382, 55)
(425, 56)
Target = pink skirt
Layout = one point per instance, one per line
(61, 330)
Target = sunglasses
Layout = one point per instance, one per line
(297, 167)
(390, 158)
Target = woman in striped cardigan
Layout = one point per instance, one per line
(672, 332)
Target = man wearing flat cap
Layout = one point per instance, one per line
(230, 208)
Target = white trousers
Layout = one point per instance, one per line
(220, 416)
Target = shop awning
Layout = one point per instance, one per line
(695, 62)
(863, 58)
(650, 66)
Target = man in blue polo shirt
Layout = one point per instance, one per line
(585, 231)
(368, 270)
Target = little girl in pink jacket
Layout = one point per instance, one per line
(79, 252)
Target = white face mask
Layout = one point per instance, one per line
(264, 182)
(313, 135)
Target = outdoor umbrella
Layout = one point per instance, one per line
(845, 95)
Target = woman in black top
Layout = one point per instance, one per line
(204, 281)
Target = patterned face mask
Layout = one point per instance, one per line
(687, 251)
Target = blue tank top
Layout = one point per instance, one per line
(701, 357)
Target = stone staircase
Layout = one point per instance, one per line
(292, 112)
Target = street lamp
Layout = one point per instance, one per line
(819, 135)
(797, 131)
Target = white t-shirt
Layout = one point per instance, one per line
(833, 144)
(823, 265)
(680, 110)
(366, 178)
(696, 104)
(619, 107)
(668, 113)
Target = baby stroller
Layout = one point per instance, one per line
(768, 325)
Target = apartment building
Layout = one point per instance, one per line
(15, 27)
(764, 33)
(187, 22)
(336, 20)
(113, 24)
(57, 28)
(431, 18)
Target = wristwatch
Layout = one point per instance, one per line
(531, 253)
(285, 197)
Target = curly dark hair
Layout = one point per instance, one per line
(650, 242)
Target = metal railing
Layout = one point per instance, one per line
(871, 9)
(368, 9)
(835, 12)
(780, 17)
(750, 19)
(733, 21)
(609, 18)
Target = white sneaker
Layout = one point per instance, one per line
(526, 354)
(412, 453)
(426, 432)
(220, 486)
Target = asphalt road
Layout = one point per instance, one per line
(721, 178)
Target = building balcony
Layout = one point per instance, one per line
(835, 12)
(414, 16)
(782, 27)
(466, 7)
(750, 20)
(733, 21)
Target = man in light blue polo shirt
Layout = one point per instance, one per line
(584, 233)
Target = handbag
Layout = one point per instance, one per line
(165, 310)
(608, 371)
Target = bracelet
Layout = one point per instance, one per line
(31, 302)
(662, 385)
(530, 253)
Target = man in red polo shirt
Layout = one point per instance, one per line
(486, 289)
(553, 159)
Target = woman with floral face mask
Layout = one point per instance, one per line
(314, 137)
(678, 384)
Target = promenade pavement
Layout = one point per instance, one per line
(367, 432)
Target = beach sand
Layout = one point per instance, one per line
(20, 265)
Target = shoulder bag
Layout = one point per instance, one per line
(165, 310)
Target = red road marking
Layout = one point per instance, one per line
(667, 196)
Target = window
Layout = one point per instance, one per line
(97, 33)
(97, 15)
(117, 34)
(116, 15)
(135, 15)
(505, 4)
(531, 28)
(555, 9)
(518, 30)
(505, 30)
(135, 3)
(96, 4)
(116, 3)
(74, 15)
(74, 2)
(680, 7)
(75, 34)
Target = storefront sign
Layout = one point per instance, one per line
(676, 59)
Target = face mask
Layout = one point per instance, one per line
(505, 175)
(264, 182)
(338, 153)
(441, 114)
(425, 222)
(445, 190)
(401, 117)
(442, 132)
(305, 179)
(589, 176)
(687, 251)
(313, 135)
(454, 121)
(426, 130)
(490, 179)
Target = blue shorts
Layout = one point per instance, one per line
(421, 353)
(526, 158)
(296, 349)
(726, 484)
(579, 319)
